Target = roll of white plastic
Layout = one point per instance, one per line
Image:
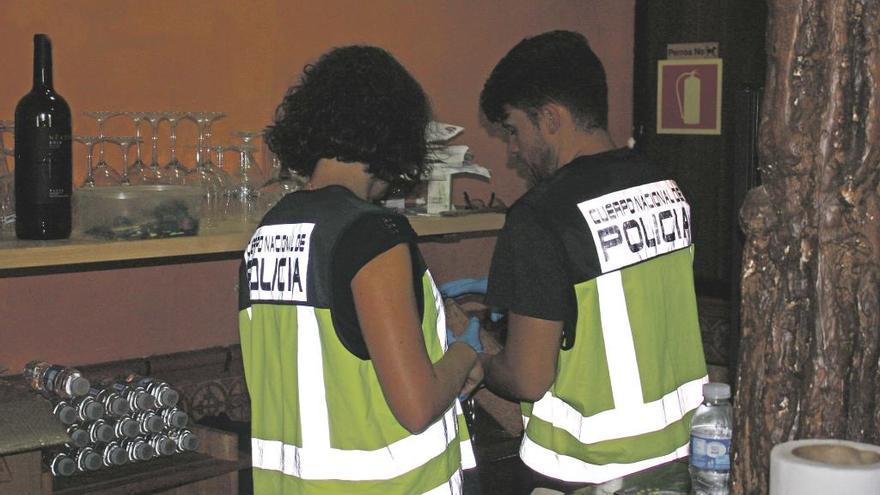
(824, 466)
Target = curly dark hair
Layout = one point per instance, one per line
(557, 66)
(355, 104)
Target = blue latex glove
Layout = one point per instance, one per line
(470, 336)
(463, 286)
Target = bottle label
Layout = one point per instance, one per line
(710, 453)
(52, 165)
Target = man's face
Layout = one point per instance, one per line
(526, 144)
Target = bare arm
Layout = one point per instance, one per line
(417, 391)
(526, 366)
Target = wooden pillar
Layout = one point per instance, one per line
(811, 265)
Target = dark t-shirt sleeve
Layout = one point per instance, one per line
(368, 237)
(527, 275)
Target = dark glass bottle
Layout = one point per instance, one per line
(43, 166)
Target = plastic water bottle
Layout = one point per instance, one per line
(54, 380)
(711, 431)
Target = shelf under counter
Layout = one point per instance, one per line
(17, 254)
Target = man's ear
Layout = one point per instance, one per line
(551, 117)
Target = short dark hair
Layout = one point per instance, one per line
(558, 66)
(355, 104)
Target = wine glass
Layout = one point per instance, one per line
(246, 181)
(7, 191)
(124, 143)
(102, 168)
(138, 171)
(175, 172)
(205, 173)
(282, 182)
(7, 179)
(89, 142)
(156, 172)
(204, 120)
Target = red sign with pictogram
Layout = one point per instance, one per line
(689, 96)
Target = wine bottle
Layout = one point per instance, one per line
(43, 166)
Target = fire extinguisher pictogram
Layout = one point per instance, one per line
(687, 95)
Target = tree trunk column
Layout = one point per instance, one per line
(811, 264)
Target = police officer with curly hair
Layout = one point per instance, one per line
(353, 385)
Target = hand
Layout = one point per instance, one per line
(472, 381)
(470, 336)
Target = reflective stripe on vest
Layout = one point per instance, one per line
(320, 463)
(468, 459)
(568, 468)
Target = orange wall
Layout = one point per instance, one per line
(239, 57)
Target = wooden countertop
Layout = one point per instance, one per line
(227, 238)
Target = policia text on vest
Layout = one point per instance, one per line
(638, 223)
(280, 270)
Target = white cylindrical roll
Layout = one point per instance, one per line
(824, 466)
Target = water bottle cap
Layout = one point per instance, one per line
(79, 438)
(91, 461)
(165, 447)
(119, 408)
(94, 410)
(179, 419)
(64, 466)
(716, 391)
(118, 457)
(104, 433)
(78, 386)
(154, 424)
(169, 397)
(130, 428)
(145, 402)
(189, 442)
(67, 415)
(143, 452)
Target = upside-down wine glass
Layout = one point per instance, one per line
(89, 142)
(244, 192)
(7, 180)
(124, 143)
(104, 174)
(156, 171)
(282, 181)
(175, 172)
(138, 171)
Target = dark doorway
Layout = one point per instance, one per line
(714, 170)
